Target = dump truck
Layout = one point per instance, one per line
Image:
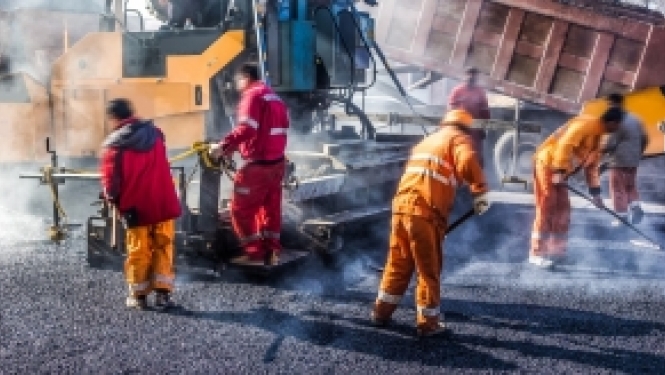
(559, 55)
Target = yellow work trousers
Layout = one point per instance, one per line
(415, 245)
(149, 263)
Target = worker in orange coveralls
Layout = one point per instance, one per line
(473, 99)
(260, 136)
(420, 211)
(573, 146)
(136, 178)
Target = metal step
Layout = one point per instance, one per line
(286, 258)
(348, 216)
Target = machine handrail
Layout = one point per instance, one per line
(367, 47)
(353, 70)
(140, 18)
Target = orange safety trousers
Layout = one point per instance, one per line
(549, 237)
(256, 208)
(623, 188)
(415, 244)
(149, 263)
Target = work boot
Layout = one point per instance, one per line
(431, 326)
(163, 300)
(382, 313)
(636, 214)
(271, 258)
(137, 302)
(540, 261)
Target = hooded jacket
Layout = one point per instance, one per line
(625, 147)
(136, 175)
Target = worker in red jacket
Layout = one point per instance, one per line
(137, 181)
(473, 99)
(260, 137)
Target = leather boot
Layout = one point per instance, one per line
(382, 313)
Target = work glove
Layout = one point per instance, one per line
(596, 198)
(481, 204)
(215, 151)
(558, 178)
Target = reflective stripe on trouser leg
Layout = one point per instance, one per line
(245, 207)
(388, 298)
(429, 311)
(253, 213)
(138, 261)
(139, 289)
(400, 264)
(426, 240)
(552, 214)
(162, 238)
(271, 213)
(398, 270)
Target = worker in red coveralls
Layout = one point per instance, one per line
(260, 137)
(473, 99)
(137, 181)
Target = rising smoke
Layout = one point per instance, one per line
(33, 35)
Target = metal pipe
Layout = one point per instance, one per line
(259, 40)
(140, 17)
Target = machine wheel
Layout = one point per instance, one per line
(503, 155)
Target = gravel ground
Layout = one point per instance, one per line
(597, 316)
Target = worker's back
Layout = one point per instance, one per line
(136, 170)
(437, 166)
(576, 141)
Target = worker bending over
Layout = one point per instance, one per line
(573, 146)
(137, 181)
(473, 99)
(624, 149)
(260, 136)
(420, 210)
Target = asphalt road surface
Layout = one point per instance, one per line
(604, 314)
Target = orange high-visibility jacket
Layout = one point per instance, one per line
(437, 166)
(574, 145)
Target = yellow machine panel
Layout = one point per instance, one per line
(648, 105)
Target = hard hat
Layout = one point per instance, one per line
(458, 117)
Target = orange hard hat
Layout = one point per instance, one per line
(458, 117)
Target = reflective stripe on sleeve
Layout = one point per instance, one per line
(389, 298)
(249, 122)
